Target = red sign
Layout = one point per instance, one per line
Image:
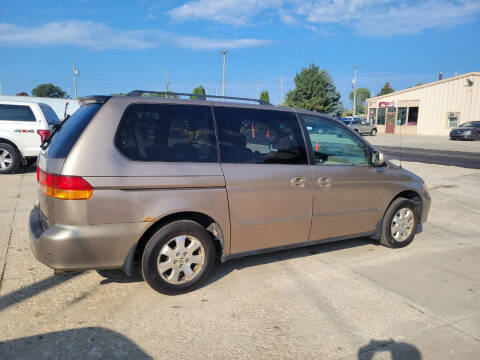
(385, 104)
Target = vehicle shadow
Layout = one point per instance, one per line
(221, 270)
(81, 343)
(27, 169)
(34, 289)
(397, 350)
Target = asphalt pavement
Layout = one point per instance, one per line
(467, 160)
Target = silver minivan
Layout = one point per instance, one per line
(170, 184)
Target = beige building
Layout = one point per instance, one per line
(429, 109)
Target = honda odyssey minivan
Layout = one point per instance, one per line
(171, 184)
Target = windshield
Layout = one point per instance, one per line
(50, 115)
(471, 124)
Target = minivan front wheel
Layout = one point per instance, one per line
(178, 257)
(400, 223)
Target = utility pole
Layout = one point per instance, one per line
(75, 73)
(166, 80)
(281, 90)
(224, 53)
(355, 89)
(257, 97)
(1, 90)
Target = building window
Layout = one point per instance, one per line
(453, 118)
(413, 116)
(372, 114)
(402, 116)
(381, 116)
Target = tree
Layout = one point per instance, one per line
(199, 90)
(264, 96)
(162, 95)
(314, 90)
(386, 89)
(362, 95)
(48, 90)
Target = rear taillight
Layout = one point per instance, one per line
(43, 134)
(64, 187)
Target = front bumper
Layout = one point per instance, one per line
(82, 247)
(462, 137)
(426, 204)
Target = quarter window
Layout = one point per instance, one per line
(453, 118)
(334, 145)
(170, 133)
(252, 136)
(16, 113)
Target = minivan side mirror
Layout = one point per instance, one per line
(378, 159)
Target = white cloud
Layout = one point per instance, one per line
(233, 12)
(98, 36)
(366, 17)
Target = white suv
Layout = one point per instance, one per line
(23, 127)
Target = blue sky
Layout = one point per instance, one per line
(126, 45)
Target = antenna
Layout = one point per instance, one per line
(224, 53)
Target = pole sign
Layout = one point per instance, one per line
(386, 104)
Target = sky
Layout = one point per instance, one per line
(120, 46)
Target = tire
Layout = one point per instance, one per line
(373, 132)
(9, 159)
(397, 207)
(178, 259)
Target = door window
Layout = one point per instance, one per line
(334, 145)
(252, 136)
(16, 113)
(171, 133)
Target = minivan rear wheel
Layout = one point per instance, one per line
(373, 132)
(400, 223)
(178, 257)
(9, 158)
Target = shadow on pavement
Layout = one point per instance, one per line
(221, 270)
(82, 343)
(34, 289)
(397, 350)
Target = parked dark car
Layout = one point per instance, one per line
(467, 131)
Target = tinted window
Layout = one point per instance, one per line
(334, 145)
(172, 133)
(64, 139)
(50, 115)
(254, 136)
(16, 113)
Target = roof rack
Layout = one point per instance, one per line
(197, 96)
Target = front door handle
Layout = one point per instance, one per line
(298, 182)
(324, 181)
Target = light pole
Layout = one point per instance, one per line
(355, 89)
(224, 52)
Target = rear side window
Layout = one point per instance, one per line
(16, 113)
(165, 132)
(71, 129)
(50, 115)
(252, 136)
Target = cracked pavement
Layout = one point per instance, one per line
(346, 300)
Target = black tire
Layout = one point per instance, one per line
(31, 161)
(160, 238)
(373, 132)
(386, 237)
(13, 155)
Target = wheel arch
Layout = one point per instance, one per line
(407, 194)
(210, 224)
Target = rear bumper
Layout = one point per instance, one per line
(66, 247)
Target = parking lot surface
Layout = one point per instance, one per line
(347, 300)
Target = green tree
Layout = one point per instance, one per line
(199, 90)
(314, 90)
(162, 95)
(362, 95)
(386, 89)
(48, 90)
(264, 96)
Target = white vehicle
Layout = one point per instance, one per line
(23, 127)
